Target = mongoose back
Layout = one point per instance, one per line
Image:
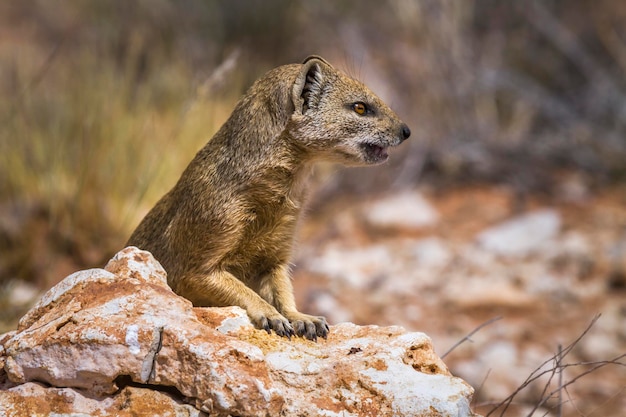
(224, 233)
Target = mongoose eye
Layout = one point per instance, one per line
(359, 108)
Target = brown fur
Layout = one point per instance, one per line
(224, 232)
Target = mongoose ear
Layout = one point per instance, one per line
(308, 87)
(315, 57)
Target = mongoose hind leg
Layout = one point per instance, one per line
(221, 288)
(277, 290)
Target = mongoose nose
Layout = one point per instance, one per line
(406, 132)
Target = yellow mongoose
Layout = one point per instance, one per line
(224, 233)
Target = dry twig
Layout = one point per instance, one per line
(557, 369)
(470, 334)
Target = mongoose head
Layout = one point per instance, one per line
(339, 119)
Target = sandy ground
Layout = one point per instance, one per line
(445, 263)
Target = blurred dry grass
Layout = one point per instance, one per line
(93, 131)
(102, 104)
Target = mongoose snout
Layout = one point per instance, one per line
(376, 151)
(406, 132)
(225, 232)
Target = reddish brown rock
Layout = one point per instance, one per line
(107, 340)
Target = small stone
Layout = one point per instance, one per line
(408, 209)
(522, 235)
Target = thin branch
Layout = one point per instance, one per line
(469, 335)
(611, 398)
(538, 373)
(41, 73)
(480, 387)
(560, 399)
(597, 365)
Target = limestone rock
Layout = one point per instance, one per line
(34, 399)
(118, 341)
(520, 236)
(406, 210)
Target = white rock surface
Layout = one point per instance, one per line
(407, 210)
(367, 263)
(522, 235)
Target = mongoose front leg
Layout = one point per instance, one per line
(221, 288)
(276, 289)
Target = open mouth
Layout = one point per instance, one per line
(375, 153)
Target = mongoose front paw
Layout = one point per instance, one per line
(309, 326)
(278, 323)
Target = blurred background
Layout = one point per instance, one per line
(509, 200)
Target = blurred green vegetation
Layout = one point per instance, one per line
(103, 103)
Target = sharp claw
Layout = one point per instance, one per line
(267, 327)
(309, 329)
